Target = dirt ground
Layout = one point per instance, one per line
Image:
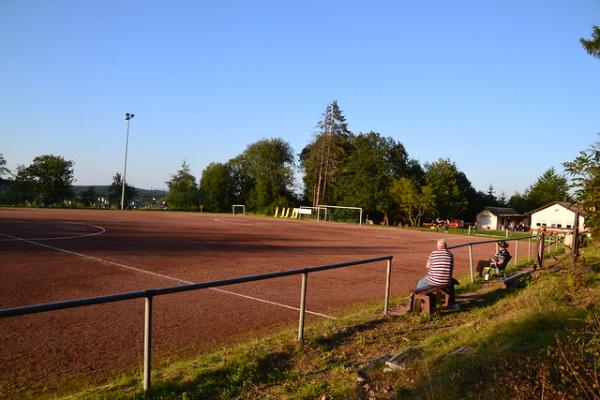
(56, 255)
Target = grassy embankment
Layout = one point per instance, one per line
(540, 341)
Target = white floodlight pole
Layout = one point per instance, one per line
(128, 117)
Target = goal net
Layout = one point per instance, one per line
(314, 213)
(238, 209)
(352, 215)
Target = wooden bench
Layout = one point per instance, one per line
(426, 299)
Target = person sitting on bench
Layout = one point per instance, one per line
(440, 266)
(499, 261)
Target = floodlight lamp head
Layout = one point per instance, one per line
(128, 116)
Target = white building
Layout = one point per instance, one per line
(499, 218)
(558, 215)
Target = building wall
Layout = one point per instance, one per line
(555, 216)
(487, 220)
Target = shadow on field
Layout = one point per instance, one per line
(209, 243)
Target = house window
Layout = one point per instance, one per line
(544, 225)
(552, 225)
(568, 226)
(538, 224)
(559, 225)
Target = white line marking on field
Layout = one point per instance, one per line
(120, 265)
(230, 222)
(101, 230)
(271, 302)
(403, 238)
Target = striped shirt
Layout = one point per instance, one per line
(441, 265)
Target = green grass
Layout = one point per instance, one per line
(479, 232)
(530, 343)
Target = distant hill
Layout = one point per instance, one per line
(101, 190)
(144, 197)
(142, 194)
(104, 188)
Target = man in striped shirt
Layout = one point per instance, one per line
(440, 265)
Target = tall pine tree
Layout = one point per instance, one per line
(323, 159)
(183, 191)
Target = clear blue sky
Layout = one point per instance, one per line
(503, 88)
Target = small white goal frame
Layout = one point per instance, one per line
(343, 207)
(318, 210)
(242, 206)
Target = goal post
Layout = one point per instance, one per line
(342, 213)
(237, 209)
(316, 213)
(328, 213)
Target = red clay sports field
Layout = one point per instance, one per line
(55, 255)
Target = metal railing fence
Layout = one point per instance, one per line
(471, 244)
(149, 294)
(549, 240)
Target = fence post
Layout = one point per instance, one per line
(388, 275)
(507, 233)
(575, 245)
(556, 243)
(147, 342)
(469, 229)
(302, 307)
(471, 263)
(516, 251)
(529, 249)
(541, 241)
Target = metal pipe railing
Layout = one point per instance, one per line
(149, 294)
(471, 263)
(302, 307)
(554, 240)
(147, 341)
(456, 246)
(388, 277)
(470, 245)
(62, 305)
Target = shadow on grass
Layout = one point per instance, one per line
(500, 352)
(593, 263)
(478, 300)
(328, 342)
(226, 381)
(469, 300)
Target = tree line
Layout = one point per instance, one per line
(48, 182)
(337, 167)
(368, 170)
